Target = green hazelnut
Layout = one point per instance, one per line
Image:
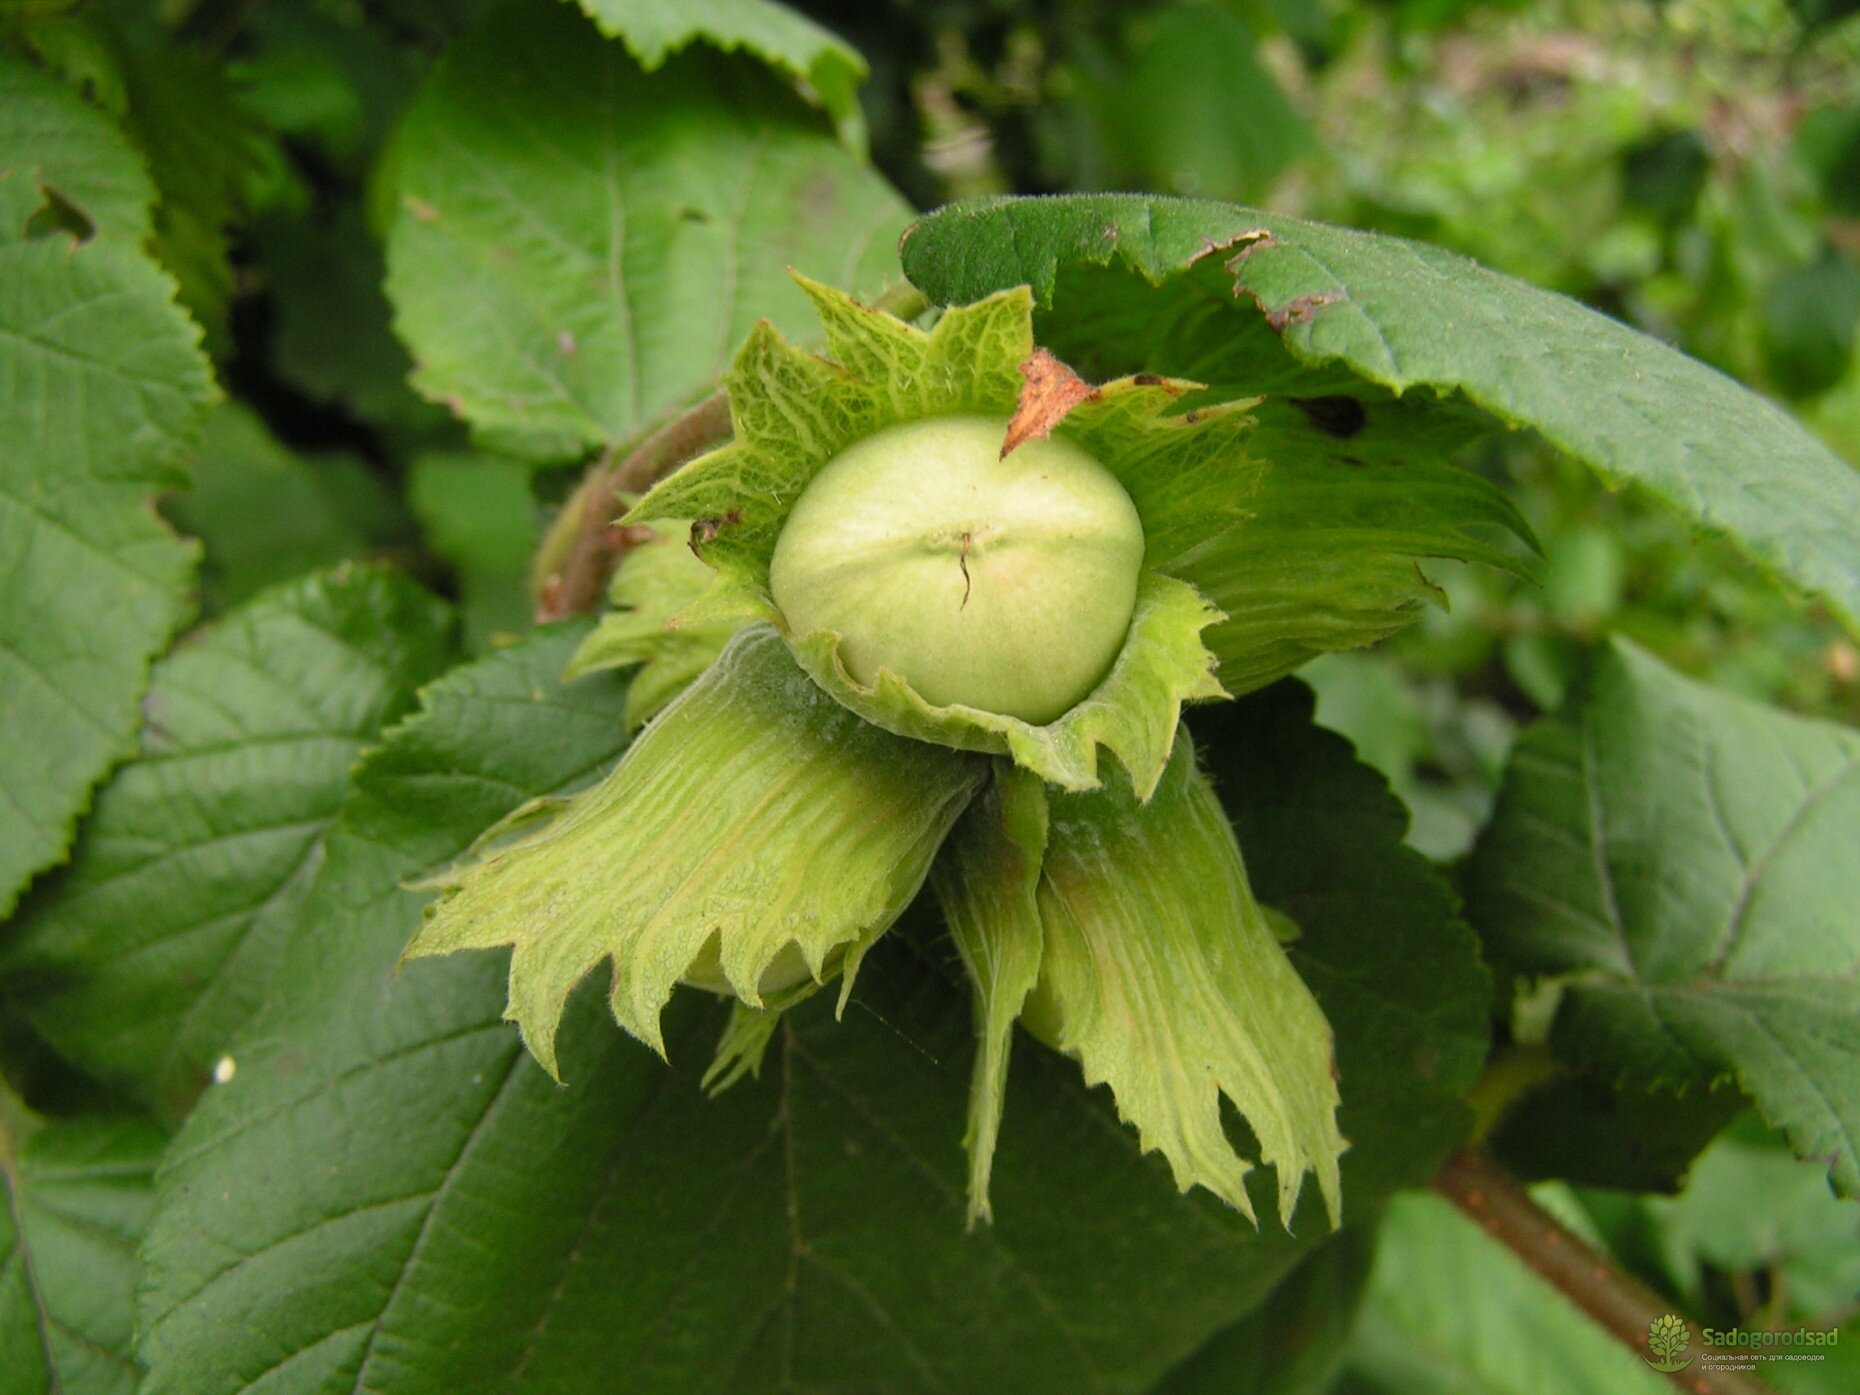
(1005, 585)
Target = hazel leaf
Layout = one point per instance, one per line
(987, 882)
(1685, 861)
(755, 810)
(76, 1195)
(824, 68)
(1132, 713)
(620, 230)
(73, 147)
(1162, 975)
(105, 391)
(1335, 310)
(658, 577)
(140, 961)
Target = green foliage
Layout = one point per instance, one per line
(1403, 316)
(1194, 111)
(78, 1197)
(756, 813)
(824, 68)
(813, 1217)
(1684, 860)
(1450, 1310)
(578, 247)
(1293, 1344)
(1805, 1238)
(457, 271)
(142, 959)
(477, 512)
(51, 135)
(106, 390)
(334, 342)
(1810, 318)
(209, 159)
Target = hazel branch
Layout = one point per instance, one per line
(1622, 1304)
(586, 536)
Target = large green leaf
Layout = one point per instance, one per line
(105, 388)
(390, 1195)
(1450, 1311)
(49, 133)
(824, 67)
(1394, 315)
(141, 959)
(77, 1198)
(1687, 860)
(579, 246)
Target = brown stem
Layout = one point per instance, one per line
(1622, 1304)
(581, 549)
(574, 584)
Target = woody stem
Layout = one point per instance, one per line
(1615, 1299)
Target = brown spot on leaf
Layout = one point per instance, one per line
(705, 530)
(1147, 380)
(565, 341)
(1245, 241)
(1297, 311)
(1051, 390)
(422, 210)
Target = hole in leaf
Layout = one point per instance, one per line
(1341, 416)
(59, 215)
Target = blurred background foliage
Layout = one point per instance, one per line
(1692, 167)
